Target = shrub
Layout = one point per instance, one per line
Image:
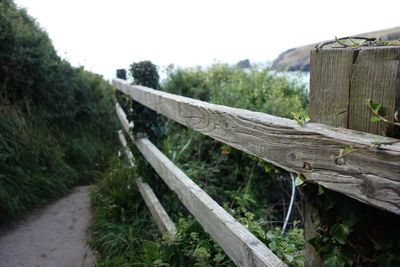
(57, 123)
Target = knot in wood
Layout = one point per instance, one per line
(307, 166)
(340, 161)
(368, 187)
(253, 243)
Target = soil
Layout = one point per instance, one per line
(52, 237)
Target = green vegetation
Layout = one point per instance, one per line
(58, 130)
(56, 122)
(352, 233)
(255, 193)
(231, 177)
(258, 89)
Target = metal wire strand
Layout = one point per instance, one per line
(291, 203)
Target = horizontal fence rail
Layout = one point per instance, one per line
(370, 173)
(160, 216)
(238, 243)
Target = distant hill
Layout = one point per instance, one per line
(298, 58)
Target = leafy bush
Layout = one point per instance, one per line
(191, 82)
(354, 234)
(145, 73)
(57, 123)
(289, 247)
(258, 89)
(235, 179)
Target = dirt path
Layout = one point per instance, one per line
(52, 237)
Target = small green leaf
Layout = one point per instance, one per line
(268, 168)
(296, 115)
(326, 248)
(320, 190)
(376, 107)
(299, 180)
(300, 118)
(340, 232)
(334, 261)
(348, 149)
(374, 119)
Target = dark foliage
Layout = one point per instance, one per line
(147, 121)
(121, 74)
(56, 122)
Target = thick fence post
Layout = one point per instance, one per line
(342, 81)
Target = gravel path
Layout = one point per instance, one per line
(52, 237)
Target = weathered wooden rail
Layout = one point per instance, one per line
(164, 223)
(370, 173)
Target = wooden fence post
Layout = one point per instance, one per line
(342, 80)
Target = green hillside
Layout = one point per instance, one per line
(56, 121)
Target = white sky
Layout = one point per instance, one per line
(105, 35)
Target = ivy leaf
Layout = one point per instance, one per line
(334, 261)
(374, 119)
(299, 181)
(340, 232)
(326, 248)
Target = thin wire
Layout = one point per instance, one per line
(291, 203)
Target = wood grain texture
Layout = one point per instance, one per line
(330, 86)
(375, 76)
(238, 243)
(330, 78)
(160, 216)
(370, 175)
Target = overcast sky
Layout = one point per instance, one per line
(105, 35)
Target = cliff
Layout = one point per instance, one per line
(298, 59)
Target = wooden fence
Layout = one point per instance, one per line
(237, 242)
(370, 173)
